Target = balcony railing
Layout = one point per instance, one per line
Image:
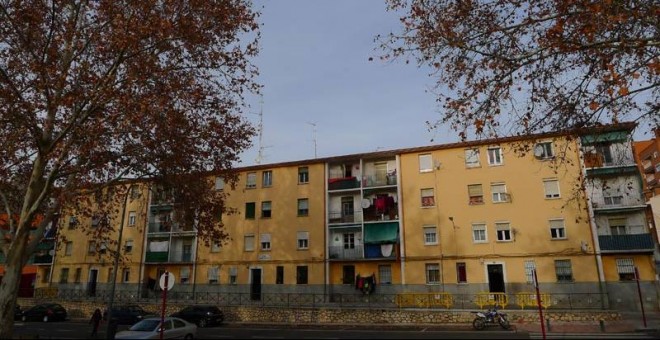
(169, 257)
(340, 252)
(378, 181)
(43, 259)
(616, 202)
(339, 217)
(626, 243)
(167, 227)
(343, 183)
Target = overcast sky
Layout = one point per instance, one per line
(315, 68)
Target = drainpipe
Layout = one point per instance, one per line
(402, 243)
(602, 288)
(143, 250)
(326, 237)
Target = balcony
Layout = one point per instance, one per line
(631, 243)
(43, 259)
(168, 227)
(341, 217)
(379, 181)
(647, 165)
(168, 257)
(343, 253)
(345, 183)
(618, 203)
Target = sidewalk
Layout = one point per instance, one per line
(631, 322)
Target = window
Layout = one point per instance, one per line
(479, 233)
(303, 175)
(185, 275)
(476, 194)
(266, 209)
(530, 266)
(68, 248)
(128, 246)
(303, 239)
(267, 179)
(73, 221)
(603, 149)
(498, 191)
(91, 247)
(233, 275)
(215, 247)
(503, 231)
(249, 242)
(131, 218)
(626, 269)
(301, 275)
(64, 275)
(265, 241)
(126, 275)
(214, 274)
(432, 273)
(95, 221)
(103, 247)
(110, 275)
(495, 155)
(250, 210)
(472, 158)
(385, 274)
(557, 229)
(349, 241)
(425, 163)
(78, 276)
(279, 275)
(428, 199)
(563, 270)
(618, 226)
(543, 150)
(551, 187)
(461, 272)
(251, 181)
(303, 207)
(430, 235)
(219, 183)
(612, 199)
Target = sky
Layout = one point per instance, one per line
(314, 65)
(322, 96)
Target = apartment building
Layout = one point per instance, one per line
(460, 218)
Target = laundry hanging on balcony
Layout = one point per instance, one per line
(157, 246)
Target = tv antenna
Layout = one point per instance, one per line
(260, 130)
(313, 124)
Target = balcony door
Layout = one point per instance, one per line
(91, 284)
(255, 284)
(347, 209)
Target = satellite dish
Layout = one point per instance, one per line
(51, 252)
(538, 151)
(366, 203)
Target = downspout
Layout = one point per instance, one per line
(602, 288)
(402, 247)
(326, 235)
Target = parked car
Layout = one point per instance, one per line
(201, 315)
(128, 314)
(150, 329)
(44, 312)
(18, 313)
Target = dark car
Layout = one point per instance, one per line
(201, 315)
(18, 313)
(44, 312)
(128, 314)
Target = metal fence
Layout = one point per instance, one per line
(447, 301)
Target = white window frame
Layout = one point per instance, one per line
(267, 178)
(248, 241)
(219, 183)
(91, 247)
(264, 242)
(495, 156)
(430, 235)
(433, 274)
(132, 215)
(216, 247)
(266, 206)
(128, 246)
(213, 275)
(568, 269)
(557, 229)
(251, 180)
(625, 267)
(303, 176)
(185, 275)
(302, 239)
(503, 231)
(472, 193)
(424, 193)
(476, 227)
(425, 162)
(551, 188)
(385, 274)
(472, 158)
(499, 193)
(233, 275)
(548, 150)
(530, 265)
(303, 207)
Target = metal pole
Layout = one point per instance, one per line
(162, 313)
(639, 292)
(109, 329)
(538, 302)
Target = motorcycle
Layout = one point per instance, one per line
(490, 317)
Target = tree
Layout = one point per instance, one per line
(92, 92)
(516, 67)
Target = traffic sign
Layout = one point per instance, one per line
(170, 281)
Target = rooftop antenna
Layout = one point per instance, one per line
(260, 129)
(313, 124)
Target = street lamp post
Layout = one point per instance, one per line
(111, 328)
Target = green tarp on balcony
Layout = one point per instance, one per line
(379, 233)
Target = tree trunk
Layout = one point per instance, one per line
(9, 289)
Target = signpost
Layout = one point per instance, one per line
(538, 302)
(166, 283)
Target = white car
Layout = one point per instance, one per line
(149, 328)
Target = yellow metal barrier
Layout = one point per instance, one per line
(483, 299)
(425, 300)
(527, 299)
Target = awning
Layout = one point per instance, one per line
(614, 136)
(381, 233)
